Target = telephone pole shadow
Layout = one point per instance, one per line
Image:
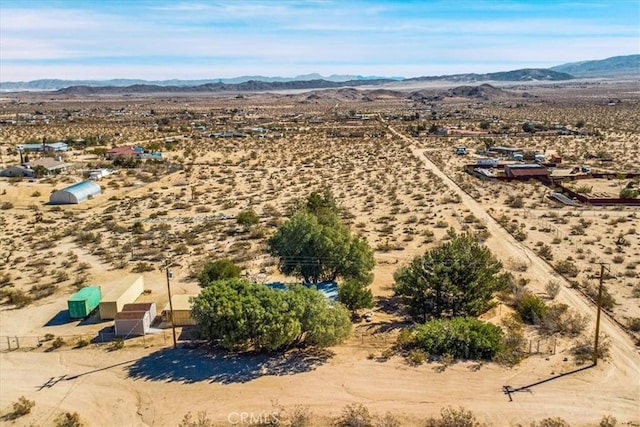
(508, 390)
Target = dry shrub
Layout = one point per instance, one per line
(355, 415)
(583, 349)
(450, 417)
(200, 421)
(68, 419)
(553, 289)
(551, 422)
(21, 407)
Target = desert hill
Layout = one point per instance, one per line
(617, 66)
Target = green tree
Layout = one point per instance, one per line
(247, 219)
(315, 245)
(244, 316)
(457, 278)
(218, 270)
(355, 295)
(40, 171)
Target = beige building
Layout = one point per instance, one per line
(182, 305)
(125, 292)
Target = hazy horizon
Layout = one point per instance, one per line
(192, 40)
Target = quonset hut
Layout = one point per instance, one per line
(74, 194)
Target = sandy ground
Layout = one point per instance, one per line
(158, 386)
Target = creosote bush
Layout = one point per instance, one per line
(21, 407)
(451, 417)
(355, 415)
(68, 419)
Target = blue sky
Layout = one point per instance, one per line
(196, 39)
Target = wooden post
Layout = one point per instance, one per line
(597, 337)
(173, 326)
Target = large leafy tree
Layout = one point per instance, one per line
(457, 278)
(315, 245)
(218, 270)
(239, 314)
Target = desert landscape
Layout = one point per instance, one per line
(388, 155)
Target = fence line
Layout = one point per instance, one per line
(30, 342)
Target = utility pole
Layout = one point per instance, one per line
(173, 326)
(597, 337)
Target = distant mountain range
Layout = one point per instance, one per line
(250, 86)
(618, 66)
(526, 74)
(55, 84)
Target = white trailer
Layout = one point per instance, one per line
(125, 292)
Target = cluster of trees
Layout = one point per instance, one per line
(241, 315)
(445, 289)
(314, 245)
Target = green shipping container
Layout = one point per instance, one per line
(83, 302)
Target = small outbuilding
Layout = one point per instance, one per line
(74, 194)
(182, 306)
(132, 323)
(526, 171)
(143, 306)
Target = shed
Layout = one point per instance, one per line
(132, 323)
(142, 306)
(124, 293)
(83, 302)
(528, 170)
(74, 194)
(182, 306)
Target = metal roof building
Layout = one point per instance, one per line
(74, 194)
(528, 170)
